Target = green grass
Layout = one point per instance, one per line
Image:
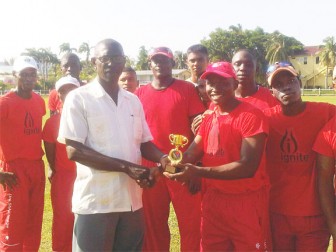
(175, 238)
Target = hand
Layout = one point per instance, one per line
(194, 185)
(187, 173)
(154, 175)
(164, 161)
(196, 123)
(137, 172)
(51, 173)
(8, 179)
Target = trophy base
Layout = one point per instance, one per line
(172, 169)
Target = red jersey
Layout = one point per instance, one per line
(168, 111)
(49, 134)
(21, 127)
(291, 159)
(243, 122)
(325, 143)
(54, 102)
(262, 99)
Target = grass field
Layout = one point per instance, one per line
(175, 240)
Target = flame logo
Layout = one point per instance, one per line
(288, 143)
(29, 121)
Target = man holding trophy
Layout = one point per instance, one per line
(231, 141)
(170, 105)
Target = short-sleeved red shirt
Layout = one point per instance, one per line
(54, 102)
(291, 159)
(169, 111)
(243, 122)
(325, 143)
(21, 127)
(49, 134)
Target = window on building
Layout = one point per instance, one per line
(317, 60)
(305, 60)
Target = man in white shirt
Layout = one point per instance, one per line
(106, 133)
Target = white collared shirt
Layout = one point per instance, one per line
(91, 117)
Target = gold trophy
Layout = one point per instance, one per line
(175, 155)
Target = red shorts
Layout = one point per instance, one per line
(299, 233)
(21, 209)
(237, 222)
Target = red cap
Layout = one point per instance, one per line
(223, 69)
(163, 51)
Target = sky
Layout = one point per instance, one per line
(151, 23)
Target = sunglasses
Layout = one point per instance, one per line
(276, 65)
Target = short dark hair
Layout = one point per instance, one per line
(198, 48)
(70, 55)
(129, 69)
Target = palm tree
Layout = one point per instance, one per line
(276, 49)
(85, 48)
(65, 47)
(328, 55)
(180, 60)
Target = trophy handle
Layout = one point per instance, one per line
(185, 140)
(171, 138)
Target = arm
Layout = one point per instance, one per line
(50, 149)
(325, 182)
(250, 156)
(82, 154)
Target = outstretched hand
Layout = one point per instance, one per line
(8, 179)
(187, 173)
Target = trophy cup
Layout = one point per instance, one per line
(175, 155)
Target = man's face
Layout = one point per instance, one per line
(245, 67)
(197, 63)
(220, 89)
(161, 66)
(286, 88)
(27, 79)
(201, 88)
(109, 61)
(128, 81)
(71, 66)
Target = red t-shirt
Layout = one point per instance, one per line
(168, 111)
(325, 143)
(49, 134)
(262, 99)
(243, 122)
(21, 127)
(291, 159)
(54, 102)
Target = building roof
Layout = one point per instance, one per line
(309, 50)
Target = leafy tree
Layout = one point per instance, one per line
(142, 63)
(328, 55)
(130, 62)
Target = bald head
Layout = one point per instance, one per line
(108, 43)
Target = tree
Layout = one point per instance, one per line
(328, 55)
(45, 59)
(142, 63)
(180, 60)
(65, 48)
(85, 48)
(280, 47)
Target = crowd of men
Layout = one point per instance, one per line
(256, 173)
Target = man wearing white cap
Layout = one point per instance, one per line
(21, 206)
(62, 173)
(297, 220)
